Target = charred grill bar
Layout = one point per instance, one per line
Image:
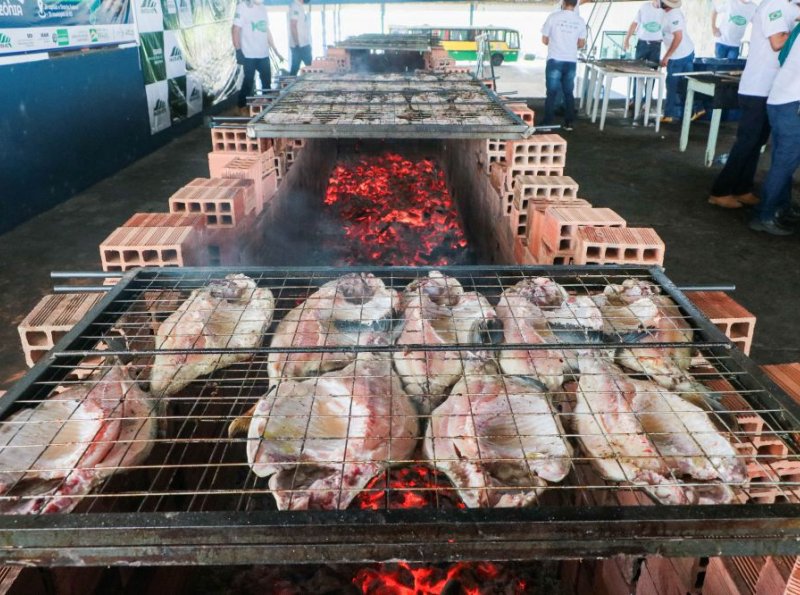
(196, 501)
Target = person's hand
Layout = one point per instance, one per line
(717, 32)
(240, 57)
(626, 44)
(280, 58)
(664, 62)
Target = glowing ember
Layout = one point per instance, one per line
(408, 487)
(468, 578)
(395, 211)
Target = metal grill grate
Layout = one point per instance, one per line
(359, 445)
(423, 105)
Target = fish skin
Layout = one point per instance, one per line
(345, 312)
(320, 441)
(207, 320)
(437, 311)
(497, 438)
(127, 434)
(640, 433)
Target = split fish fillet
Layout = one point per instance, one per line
(227, 314)
(320, 441)
(562, 311)
(640, 433)
(437, 311)
(524, 322)
(60, 450)
(355, 309)
(637, 312)
(498, 439)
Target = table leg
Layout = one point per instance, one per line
(713, 132)
(687, 119)
(628, 98)
(584, 86)
(637, 102)
(608, 80)
(662, 81)
(598, 85)
(648, 99)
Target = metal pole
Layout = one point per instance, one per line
(471, 14)
(383, 17)
(324, 28)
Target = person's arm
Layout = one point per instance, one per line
(545, 39)
(272, 45)
(676, 41)
(236, 37)
(778, 40)
(714, 29)
(581, 43)
(628, 35)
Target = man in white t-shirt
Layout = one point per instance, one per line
(729, 20)
(299, 35)
(252, 41)
(678, 57)
(564, 32)
(733, 187)
(648, 29)
(775, 213)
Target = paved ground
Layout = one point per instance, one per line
(640, 174)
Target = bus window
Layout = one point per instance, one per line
(513, 40)
(461, 35)
(496, 35)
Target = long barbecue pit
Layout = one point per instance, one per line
(364, 414)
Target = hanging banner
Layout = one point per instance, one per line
(43, 25)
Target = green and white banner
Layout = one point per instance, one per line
(47, 25)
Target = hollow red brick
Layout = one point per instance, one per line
(227, 139)
(560, 225)
(525, 113)
(539, 150)
(728, 315)
(539, 188)
(129, 247)
(617, 245)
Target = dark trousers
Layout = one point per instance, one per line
(250, 67)
(649, 51)
(726, 52)
(560, 76)
(675, 98)
(300, 54)
(740, 170)
(776, 195)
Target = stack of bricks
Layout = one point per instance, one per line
(727, 315)
(323, 66)
(556, 230)
(495, 152)
(438, 59)
(155, 239)
(224, 202)
(341, 56)
(525, 113)
(51, 319)
(259, 104)
(261, 171)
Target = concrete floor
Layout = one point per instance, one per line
(640, 174)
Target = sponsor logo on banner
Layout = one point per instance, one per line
(93, 35)
(158, 106)
(148, 7)
(5, 41)
(61, 37)
(176, 65)
(12, 8)
(149, 15)
(194, 96)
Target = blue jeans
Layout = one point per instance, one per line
(649, 51)
(726, 52)
(673, 107)
(776, 194)
(560, 76)
(299, 54)
(250, 67)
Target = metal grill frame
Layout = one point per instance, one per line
(513, 128)
(419, 535)
(399, 42)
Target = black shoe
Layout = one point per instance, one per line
(790, 215)
(771, 227)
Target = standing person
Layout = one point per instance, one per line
(252, 41)
(772, 22)
(564, 33)
(678, 58)
(775, 212)
(299, 35)
(736, 14)
(648, 29)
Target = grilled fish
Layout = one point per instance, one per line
(320, 441)
(227, 314)
(437, 311)
(497, 438)
(639, 433)
(354, 309)
(60, 450)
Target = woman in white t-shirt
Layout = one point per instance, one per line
(775, 213)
